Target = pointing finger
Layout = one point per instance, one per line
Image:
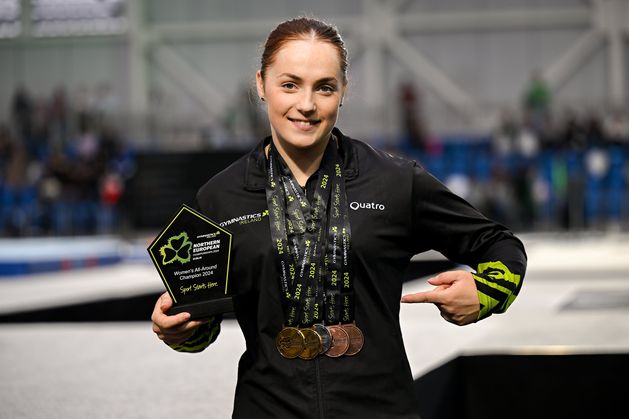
(433, 296)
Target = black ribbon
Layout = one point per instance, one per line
(312, 241)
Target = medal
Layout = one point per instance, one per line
(340, 341)
(312, 344)
(290, 342)
(356, 338)
(326, 337)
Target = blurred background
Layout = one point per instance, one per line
(114, 112)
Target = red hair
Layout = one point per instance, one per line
(302, 28)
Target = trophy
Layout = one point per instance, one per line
(192, 256)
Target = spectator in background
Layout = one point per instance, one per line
(550, 136)
(21, 113)
(536, 102)
(500, 202)
(86, 173)
(414, 130)
(616, 126)
(6, 147)
(523, 181)
(40, 131)
(505, 136)
(83, 106)
(15, 218)
(515, 146)
(593, 127)
(574, 135)
(59, 120)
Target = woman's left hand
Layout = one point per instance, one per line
(454, 295)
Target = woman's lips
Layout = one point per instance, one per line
(304, 124)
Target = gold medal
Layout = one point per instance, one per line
(356, 338)
(340, 341)
(290, 342)
(312, 344)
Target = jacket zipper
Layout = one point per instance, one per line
(319, 390)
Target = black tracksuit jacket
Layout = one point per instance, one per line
(397, 210)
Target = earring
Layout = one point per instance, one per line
(262, 98)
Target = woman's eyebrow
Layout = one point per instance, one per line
(327, 80)
(297, 78)
(289, 75)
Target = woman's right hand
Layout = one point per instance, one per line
(172, 329)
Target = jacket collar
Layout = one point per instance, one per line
(255, 174)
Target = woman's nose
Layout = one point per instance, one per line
(306, 103)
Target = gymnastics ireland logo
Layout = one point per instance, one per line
(177, 249)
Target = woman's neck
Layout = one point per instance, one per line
(302, 163)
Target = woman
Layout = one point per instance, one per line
(318, 271)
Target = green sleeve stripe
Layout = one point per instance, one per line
(492, 290)
(487, 304)
(211, 337)
(506, 304)
(497, 287)
(502, 282)
(208, 336)
(499, 272)
(202, 337)
(214, 333)
(199, 334)
(203, 342)
(490, 299)
(193, 349)
(197, 337)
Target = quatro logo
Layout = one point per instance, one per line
(366, 205)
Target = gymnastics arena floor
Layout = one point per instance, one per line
(575, 300)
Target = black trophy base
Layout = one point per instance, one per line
(204, 309)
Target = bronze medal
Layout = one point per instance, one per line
(290, 342)
(340, 341)
(326, 337)
(356, 339)
(312, 342)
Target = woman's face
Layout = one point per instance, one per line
(303, 89)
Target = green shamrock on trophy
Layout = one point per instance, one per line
(177, 249)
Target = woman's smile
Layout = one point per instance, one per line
(305, 124)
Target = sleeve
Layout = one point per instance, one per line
(447, 223)
(205, 335)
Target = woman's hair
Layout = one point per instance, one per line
(302, 28)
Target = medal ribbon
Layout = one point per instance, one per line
(297, 233)
(313, 268)
(339, 292)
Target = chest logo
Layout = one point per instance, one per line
(366, 205)
(246, 219)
